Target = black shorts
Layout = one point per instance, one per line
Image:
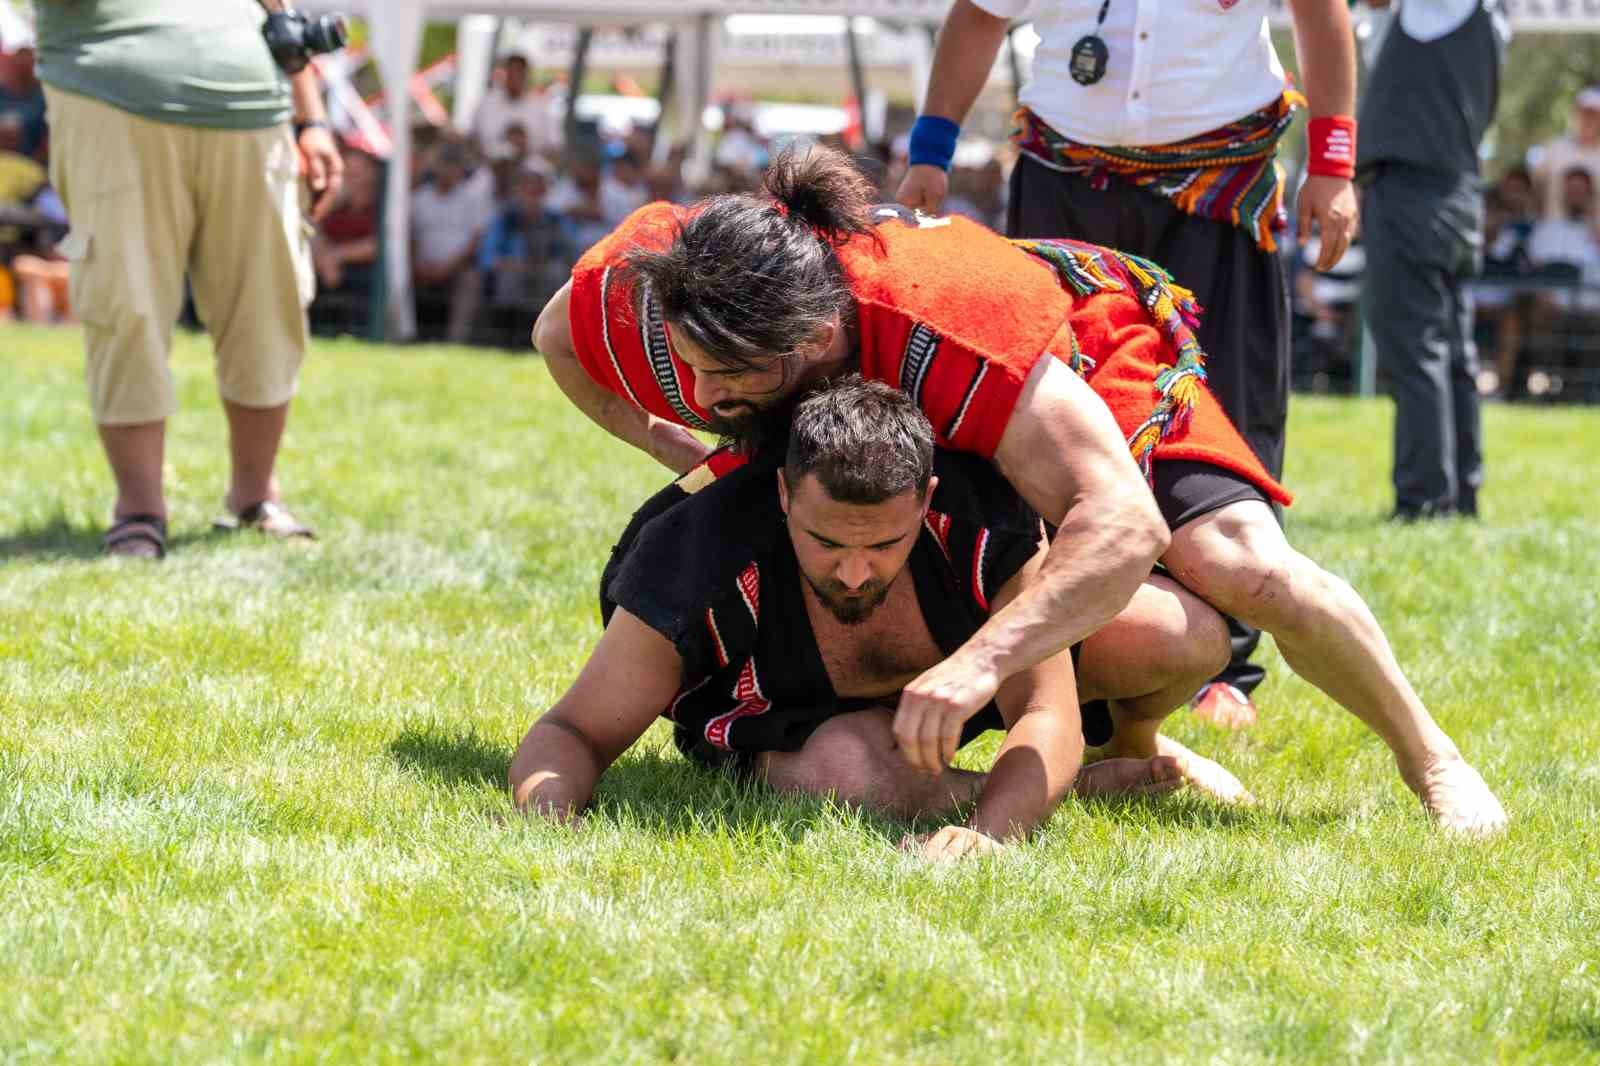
(1189, 490)
(1097, 729)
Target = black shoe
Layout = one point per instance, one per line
(1406, 513)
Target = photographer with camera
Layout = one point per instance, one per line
(180, 131)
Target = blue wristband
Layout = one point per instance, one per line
(933, 141)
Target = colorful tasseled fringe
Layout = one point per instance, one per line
(1228, 175)
(1087, 269)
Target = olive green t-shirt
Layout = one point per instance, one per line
(192, 62)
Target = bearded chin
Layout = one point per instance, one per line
(761, 429)
(850, 612)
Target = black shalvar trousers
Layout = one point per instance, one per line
(1243, 293)
(1424, 236)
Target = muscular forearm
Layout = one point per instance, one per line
(1326, 49)
(968, 42)
(554, 772)
(672, 447)
(1036, 766)
(1100, 555)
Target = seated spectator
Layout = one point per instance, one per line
(740, 148)
(22, 98)
(22, 178)
(665, 182)
(577, 198)
(448, 220)
(1579, 148)
(515, 101)
(1324, 318)
(345, 249)
(1570, 241)
(622, 190)
(1509, 218)
(1561, 324)
(526, 256)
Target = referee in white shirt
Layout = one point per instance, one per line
(1151, 126)
(1430, 97)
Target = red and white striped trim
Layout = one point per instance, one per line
(747, 690)
(683, 694)
(749, 582)
(605, 334)
(939, 525)
(716, 638)
(966, 402)
(978, 591)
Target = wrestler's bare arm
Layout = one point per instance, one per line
(672, 446)
(632, 674)
(969, 40)
(1043, 749)
(1062, 451)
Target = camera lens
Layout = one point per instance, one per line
(326, 34)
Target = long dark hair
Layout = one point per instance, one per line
(752, 276)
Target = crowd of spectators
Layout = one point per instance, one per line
(500, 213)
(33, 275)
(1538, 299)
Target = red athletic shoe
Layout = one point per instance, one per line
(1223, 705)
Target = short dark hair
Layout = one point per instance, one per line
(865, 441)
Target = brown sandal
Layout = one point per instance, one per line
(272, 519)
(138, 536)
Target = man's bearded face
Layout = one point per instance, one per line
(746, 406)
(850, 553)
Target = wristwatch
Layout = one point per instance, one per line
(310, 124)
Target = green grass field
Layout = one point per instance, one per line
(252, 800)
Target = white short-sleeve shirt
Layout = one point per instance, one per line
(497, 111)
(1176, 68)
(444, 224)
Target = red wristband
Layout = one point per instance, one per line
(1331, 146)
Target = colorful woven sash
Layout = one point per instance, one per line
(1087, 269)
(1227, 175)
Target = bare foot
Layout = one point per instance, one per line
(1203, 775)
(1458, 800)
(951, 844)
(1129, 777)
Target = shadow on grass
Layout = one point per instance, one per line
(1181, 810)
(661, 794)
(460, 758)
(1578, 1027)
(60, 538)
(667, 795)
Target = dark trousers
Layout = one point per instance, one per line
(1243, 292)
(1424, 239)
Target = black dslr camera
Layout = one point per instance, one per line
(294, 38)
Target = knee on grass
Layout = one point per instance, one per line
(846, 757)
